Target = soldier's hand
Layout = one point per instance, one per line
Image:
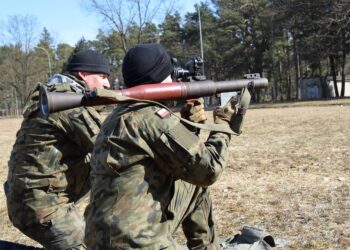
(194, 111)
(233, 112)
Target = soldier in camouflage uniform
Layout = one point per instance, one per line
(49, 167)
(150, 172)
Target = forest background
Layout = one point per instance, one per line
(283, 40)
(287, 171)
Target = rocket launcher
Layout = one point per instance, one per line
(51, 102)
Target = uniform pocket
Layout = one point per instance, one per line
(174, 149)
(49, 160)
(92, 122)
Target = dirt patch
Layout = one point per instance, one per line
(288, 173)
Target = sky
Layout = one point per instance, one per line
(66, 20)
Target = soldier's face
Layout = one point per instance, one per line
(95, 81)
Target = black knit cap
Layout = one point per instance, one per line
(88, 61)
(146, 63)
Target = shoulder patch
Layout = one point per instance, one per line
(163, 113)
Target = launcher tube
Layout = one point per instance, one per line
(53, 101)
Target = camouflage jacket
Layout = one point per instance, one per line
(52, 156)
(140, 134)
(139, 154)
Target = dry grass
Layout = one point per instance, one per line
(288, 173)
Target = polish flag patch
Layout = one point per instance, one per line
(163, 113)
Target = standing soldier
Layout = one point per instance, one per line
(49, 167)
(150, 172)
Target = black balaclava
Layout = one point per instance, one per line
(88, 61)
(146, 63)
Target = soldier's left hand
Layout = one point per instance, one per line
(234, 111)
(194, 111)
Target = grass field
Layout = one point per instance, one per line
(288, 174)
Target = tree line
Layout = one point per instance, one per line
(283, 40)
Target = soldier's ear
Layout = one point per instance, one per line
(82, 75)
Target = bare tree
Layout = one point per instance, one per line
(122, 16)
(20, 35)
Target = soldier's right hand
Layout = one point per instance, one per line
(194, 111)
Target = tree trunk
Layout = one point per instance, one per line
(281, 80)
(334, 75)
(124, 42)
(342, 92)
(258, 68)
(288, 77)
(274, 83)
(343, 63)
(296, 66)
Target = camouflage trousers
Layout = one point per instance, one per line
(62, 229)
(192, 208)
(112, 225)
